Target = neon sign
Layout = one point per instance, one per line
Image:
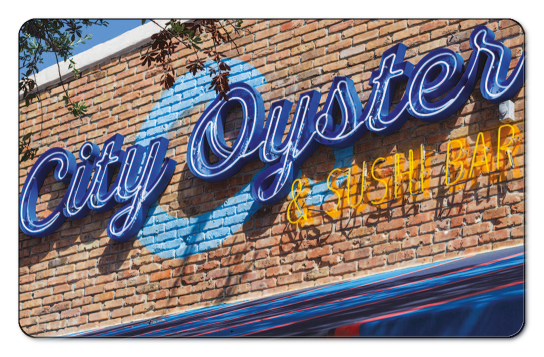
(416, 177)
(436, 89)
(142, 177)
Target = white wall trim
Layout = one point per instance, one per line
(121, 44)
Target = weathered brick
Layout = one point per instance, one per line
(189, 299)
(430, 249)
(316, 274)
(481, 205)
(267, 242)
(494, 236)
(278, 270)
(476, 229)
(240, 268)
(318, 252)
(306, 265)
(212, 294)
(290, 279)
(160, 275)
(386, 248)
(402, 255)
(357, 254)
(78, 278)
(99, 316)
(144, 289)
(442, 236)
(390, 225)
(344, 268)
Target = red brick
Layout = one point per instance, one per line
(291, 25)
(316, 274)
(134, 300)
(357, 254)
(263, 284)
(400, 256)
(232, 259)
(218, 273)
(279, 270)
(386, 248)
(143, 289)
(372, 262)
(240, 268)
(340, 26)
(189, 299)
(164, 303)
(78, 278)
(232, 280)
(480, 205)
(442, 236)
(184, 290)
(420, 218)
(306, 265)
(160, 275)
(430, 249)
(267, 242)
(112, 304)
(99, 316)
(476, 229)
(433, 25)
(251, 276)
(103, 297)
(138, 309)
(390, 225)
(494, 236)
(290, 279)
(344, 268)
(318, 252)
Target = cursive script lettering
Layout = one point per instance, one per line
(436, 88)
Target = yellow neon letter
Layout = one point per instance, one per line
(363, 179)
(454, 161)
(481, 162)
(504, 147)
(380, 159)
(399, 175)
(421, 167)
(294, 199)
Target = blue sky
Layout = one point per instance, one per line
(100, 34)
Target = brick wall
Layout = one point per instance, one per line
(79, 279)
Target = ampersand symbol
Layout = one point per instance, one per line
(295, 194)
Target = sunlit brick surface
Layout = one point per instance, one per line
(78, 279)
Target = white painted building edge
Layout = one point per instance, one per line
(121, 44)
